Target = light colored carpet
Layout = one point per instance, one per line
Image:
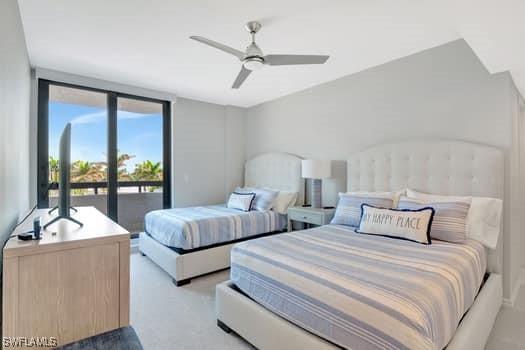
(509, 331)
(167, 317)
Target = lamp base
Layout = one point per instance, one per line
(316, 193)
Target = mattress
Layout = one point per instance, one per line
(360, 291)
(196, 227)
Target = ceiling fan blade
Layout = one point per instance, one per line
(225, 48)
(283, 60)
(241, 77)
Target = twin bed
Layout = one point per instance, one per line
(190, 242)
(330, 287)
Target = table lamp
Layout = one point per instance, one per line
(316, 170)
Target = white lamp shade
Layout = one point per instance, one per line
(316, 169)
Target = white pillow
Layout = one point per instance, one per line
(412, 225)
(264, 197)
(241, 201)
(483, 219)
(435, 197)
(284, 200)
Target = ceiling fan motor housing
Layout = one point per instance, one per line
(253, 27)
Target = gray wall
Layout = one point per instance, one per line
(14, 118)
(208, 152)
(444, 92)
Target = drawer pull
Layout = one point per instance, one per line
(305, 217)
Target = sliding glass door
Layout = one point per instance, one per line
(120, 150)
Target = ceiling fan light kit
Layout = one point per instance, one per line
(254, 63)
(253, 58)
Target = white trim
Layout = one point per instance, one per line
(63, 77)
(520, 281)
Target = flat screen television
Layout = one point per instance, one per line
(64, 185)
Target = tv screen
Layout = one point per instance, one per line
(65, 166)
(64, 187)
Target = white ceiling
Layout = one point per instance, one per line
(145, 43)
(495, 30)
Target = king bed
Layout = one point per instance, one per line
(189, 242)
(331, 287)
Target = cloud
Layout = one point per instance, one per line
(90, 118)
(101, 116)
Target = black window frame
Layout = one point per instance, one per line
(112, 144)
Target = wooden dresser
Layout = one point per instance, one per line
(71, 284)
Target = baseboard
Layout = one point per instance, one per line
(509, 302)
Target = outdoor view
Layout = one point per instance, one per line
(139, 144)
(139, 136)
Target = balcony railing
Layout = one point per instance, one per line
(103, 184)
(132, 206)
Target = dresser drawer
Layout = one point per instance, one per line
(305, 216)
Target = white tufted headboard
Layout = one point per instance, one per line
(441, 167)
(281, 171)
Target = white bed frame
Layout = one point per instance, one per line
(280, 171)
(444, 167)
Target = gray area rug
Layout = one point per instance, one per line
(119, 339)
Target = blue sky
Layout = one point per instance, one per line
(138, 134)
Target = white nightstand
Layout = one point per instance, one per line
(308, 215)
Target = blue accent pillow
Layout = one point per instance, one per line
(348, 211)
(450, 220)
(264, 198)
(241, 201)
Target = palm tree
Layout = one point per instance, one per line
(54, 169)
(121, 165)
(84, 171)
(148, 170)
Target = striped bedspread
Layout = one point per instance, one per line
(194, 227)
(360, 291)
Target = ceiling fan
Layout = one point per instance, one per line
(253, 58)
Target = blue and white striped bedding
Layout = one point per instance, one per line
(195, 227)
(360, 291)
